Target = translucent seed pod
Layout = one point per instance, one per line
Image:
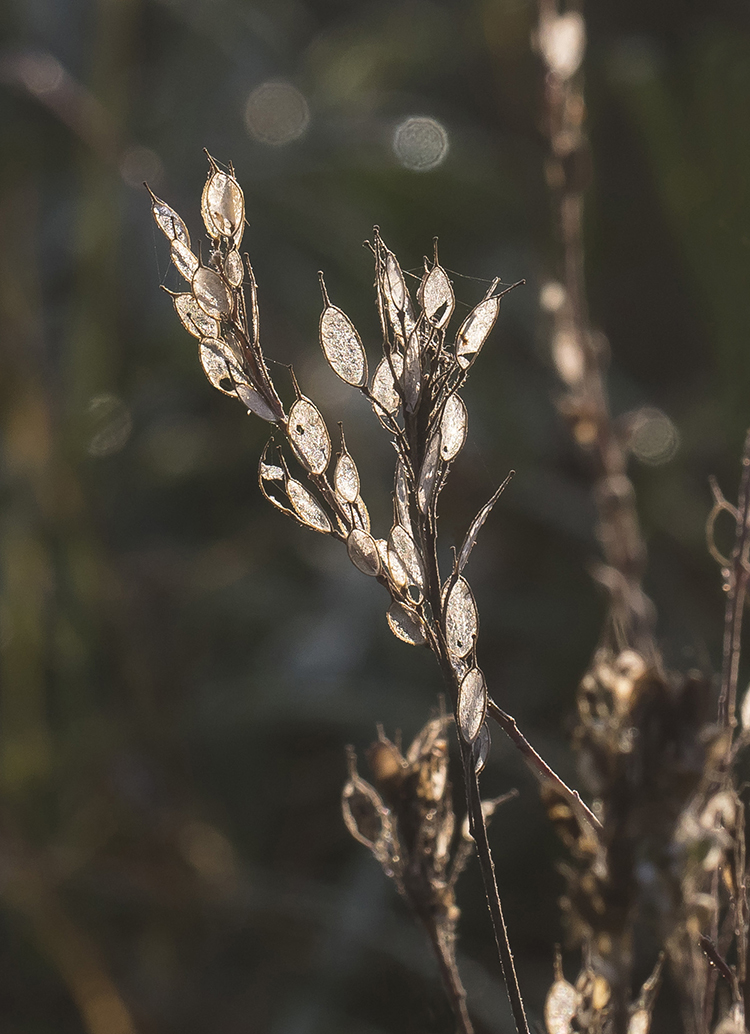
(361, 514)
(211, 293)
(363, 552)
(461, 619)
(193, 318)
(364, 812)
(234, 269)
(475, 330)
(343, 347)
(404, 561)
(561, 1006)
(405, 624)
(412, 372)
(307, 508)
(272, 481)
(169, 222)
(223, 206)
(309, 436)
(428, 474)
(255, 402)
(383, 388)
(346, 478)
(382, 553)
(436, 297)
(472, 704)
(481, 748)
(185, 262)
(220, 365)
(401, 498)
(454, 427)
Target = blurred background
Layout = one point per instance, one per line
(181, 666)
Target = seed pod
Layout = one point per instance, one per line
(255, 402)
(405, 624)
(383, 388)
(361, 514)
(398, 301)
(308, 509)
(268, 476)
(453, 428)
(346, 478)
(342, 346)
(472, 704)
(223, 206)
(481, 748)
(401, 498)
(220, 365)
(364, 812)
(404, 561)
(363, 552)
(193, 318)
(211, 293)
(169, 222)
(428, 474)
(185, 262)
(475, 330)
(436, 297)
(309, 436)
(412, 372)
(461, 619)
(560, 1007)
(234, 270)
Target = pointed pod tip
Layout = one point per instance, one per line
(323, 289)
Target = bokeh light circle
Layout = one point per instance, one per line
(420, 143)
(276, 113)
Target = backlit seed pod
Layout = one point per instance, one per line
(401, 498)
(475, 330)
(361, 514)
(220, 365)
(428, 474)
(234, 270)
(405, 624)
(412, 372)
(169, 222)
(223, 207)
(185, 262)
(404, 561)
(342, 346)
(436, 297)
(383, 389)
(363, 552)
(211, 293)
(453, 428)
(472, 704)
(193, 318)
(346, 478)
(461, 619)
(481, 748)
(308, 509)
(309, 436)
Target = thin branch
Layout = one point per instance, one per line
(735, 605)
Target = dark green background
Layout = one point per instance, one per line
(181, 666)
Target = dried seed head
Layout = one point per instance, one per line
(383, 388)
(309, 436)
(346, 478)
(364, 811)
(461, 619)
(307, 508)
(223, 206)
(363, 552)
(436, 297)
(211, 293)
(405, 624)
(475, 330)
(193, 318)
(472, 704)
(342, 346)
(453, 428)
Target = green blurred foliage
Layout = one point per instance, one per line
(181, 667)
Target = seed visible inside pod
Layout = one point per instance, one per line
(211, 293)
(342, 346)
(405, 624)
(223, 207)
(461, 619)
(453, 428)
(309, 436)
(234, 271)
(475, 330)
(185, 262)
(472, 704)
(436, 297)
(383, 388)
(346, 478)
(193, 318)
(170, 224)
(307, 507)
(363, 552)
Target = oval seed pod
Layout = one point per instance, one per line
(220, 366)
(361, 514)
(169, 222)
(364, 812)
(185, 262)
(412, 372)
(309, 436)
(404, 561)
(383, 388)
(346, 478)
(343, 347)
(405, 624)
(436, 297)
(560, 1007)
(454, 426)
(472, 704)
(193, 318)
(255, 403)
(234, 270)
(363, 552)
(481, 748)
(401, 498)
(223, 207)
(308, 509)
(461, 619)
(475, 330)
(428, 473)
(211, 293)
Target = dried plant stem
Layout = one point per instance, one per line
(735, 605)
(450, 977)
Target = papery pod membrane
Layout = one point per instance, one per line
(481, 748)
(220, 365)
(193, 318)
(401, 498)
(428, 474)
(234, 270)
(461, 619)
(185, 262)
(640, 1022)
(475, 330)
(309, 436)
(223, 207)
(412, 373)
(560, 1007)
(472, 704)
(364, 811)
(398, 300)
(436, 297)
(361, 514)
(363, 552)
(255, 402)
(169, 222)
(383, 388)
(405, 624)
(307, 508)
(211, 293)
(346, 478)
(343, 347)
(454, 426)
(268, 475)
(431, 737)
(382, 547)
(404, 561)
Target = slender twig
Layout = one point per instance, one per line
(723, 968)
(735, 604)
(450, 977)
